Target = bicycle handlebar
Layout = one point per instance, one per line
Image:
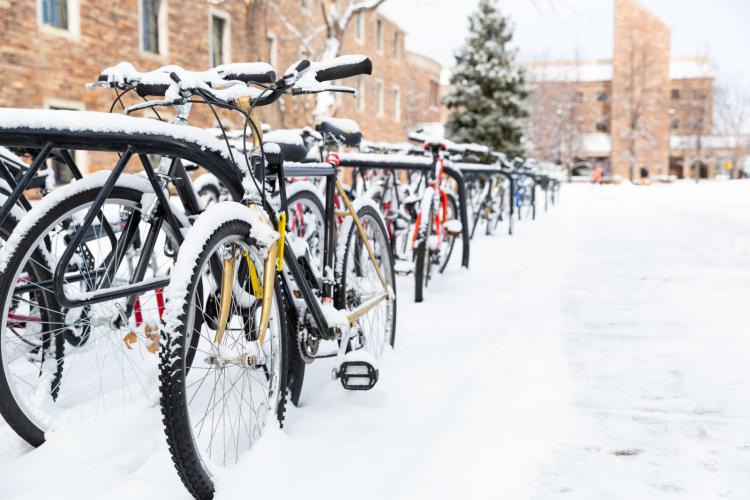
(177, 84)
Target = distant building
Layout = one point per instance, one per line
(642, 108)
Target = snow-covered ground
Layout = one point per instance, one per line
(601, 352)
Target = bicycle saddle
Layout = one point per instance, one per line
(284, 145)
(343, 130)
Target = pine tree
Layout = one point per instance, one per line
(486, 102)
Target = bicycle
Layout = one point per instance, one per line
(436, 226)
(102, 305)
(261, 290)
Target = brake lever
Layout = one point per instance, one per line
(317, 90)
(97, 85)
(153, 104)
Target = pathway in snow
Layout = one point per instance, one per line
(601, 352)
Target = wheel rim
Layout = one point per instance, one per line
(375, 328)
(229, 405)
(102, 370)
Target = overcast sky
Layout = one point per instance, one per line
(558, 29)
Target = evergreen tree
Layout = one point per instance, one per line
(486, 102)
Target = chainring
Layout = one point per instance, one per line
(307, 345)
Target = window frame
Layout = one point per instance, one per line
(73, 30)
(434, 103)
(396, 103)
(360, 102)
(162, 21)
(396, 39)
(380, 98)
(226, 39)
(359, 27)
(379, 35)
(273, 49)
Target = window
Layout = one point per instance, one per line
(359, 27)
(699, 95)
(380, 99)
(304, 4)
(273, 50)
(153, 26)
(55, 13)
(396, 99)
(579, 96)
(675, 124)
(360, 94)
(602, 125)
(675, 94)
(219, 39)
(396, 45)
(434, 93)
(601, 95)
(58, 17)
(379, 35)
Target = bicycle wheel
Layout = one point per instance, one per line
(58, 364)
(360, 281)
(423, 262)
(217, 409)
(496, 208)
(306, 218)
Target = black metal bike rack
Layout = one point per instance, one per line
(531, 176)
(481, 169)
(417, 163)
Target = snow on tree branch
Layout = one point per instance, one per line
(355, 8)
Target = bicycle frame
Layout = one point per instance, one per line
(439, 199)
(291, 265)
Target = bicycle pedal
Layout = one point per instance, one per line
(454, 227)
(358, 371)
(403, 267)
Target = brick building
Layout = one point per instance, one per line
(642, 108)
(50, 48)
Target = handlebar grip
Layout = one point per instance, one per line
(343, 67)
(151, 90)
(302, 66)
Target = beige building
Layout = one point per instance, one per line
(641, 109)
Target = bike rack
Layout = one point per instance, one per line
(416, 163)
(533, 192)
(479, 169)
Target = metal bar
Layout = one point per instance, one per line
(18, 189)
(184, 188)
(329, 249)
(458, 177)
(269, 278)
(365, 307)
(227, 280)
(94, 210)
(143, 260)
(313, 303)
(163, 201)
